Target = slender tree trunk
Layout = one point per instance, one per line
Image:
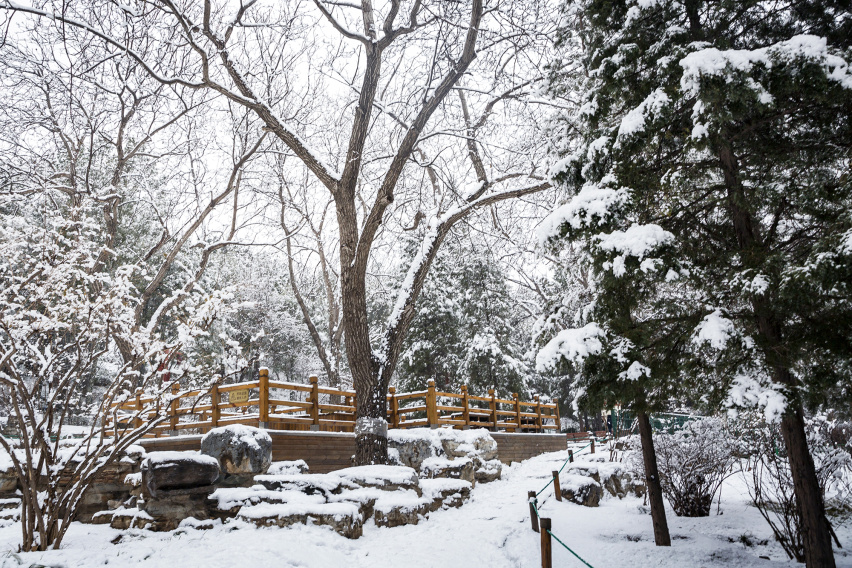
(652, 482)
(816, 532)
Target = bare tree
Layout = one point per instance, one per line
(219, 44)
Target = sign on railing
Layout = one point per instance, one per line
(241, 395)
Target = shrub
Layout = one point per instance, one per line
(770, 482)
(693, 462)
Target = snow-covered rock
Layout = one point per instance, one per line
(445, 493)
(8, 479)
(445, 452)
(384, 477)
(170, 471)
(242, 451)
(399, 508)
(288, 467)
(310, 483)
(459, 468)
(487, 471)
(176, 485)
(122, 519)
(612, 476)
(581, 489)
(344, 518)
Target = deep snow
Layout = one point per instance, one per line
(492, 529)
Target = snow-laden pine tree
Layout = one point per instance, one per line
(712, 195)
(466, 331)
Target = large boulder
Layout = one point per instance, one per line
(445, 493)
(487, 471)
(172, 471)
(459, 468)
(174, 506)
(581, 490)
(614, 477)
(288, 467)
(241, 451)
(400, 508)
(446, 453)
(384, 477)
(344, 518)
(471, 443)
(409, 451)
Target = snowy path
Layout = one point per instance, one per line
(491, 530)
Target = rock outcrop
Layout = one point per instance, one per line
(242, 452)
(469, 455)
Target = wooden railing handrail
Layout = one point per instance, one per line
(204, 408)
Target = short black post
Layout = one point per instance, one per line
(593, 446)
(571, 456)
(533, 516)
(546, 549)
(556, 486)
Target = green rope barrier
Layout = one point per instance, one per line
(561, 468)
(534, 503)
(537, 514)
(569, 550)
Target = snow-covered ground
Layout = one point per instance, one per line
(493, 530)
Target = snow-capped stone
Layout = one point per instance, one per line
(170, 471)
(288, 467)
(581, 490)
(239, 449)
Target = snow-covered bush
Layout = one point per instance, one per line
(59, 319)
(770, 482)
(693, 462)
(64, 321)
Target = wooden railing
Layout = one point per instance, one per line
(291, 406)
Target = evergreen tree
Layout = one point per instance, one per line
(713, 200)
(465, 332)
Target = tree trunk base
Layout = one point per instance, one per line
(816, 531)
(371, 449)
(652, 481)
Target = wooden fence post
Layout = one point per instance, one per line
(263, 395)
(173, 410)
(394, 407)
(558, 420)
(431, 404)
(315, 403)
(466, 407)
(538, 422)
(556, 487)
(517, 411)
(546, 549)
(214, 405)
(533, 516)
(593, 446)
(137, 422)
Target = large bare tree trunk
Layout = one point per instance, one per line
(652, 482)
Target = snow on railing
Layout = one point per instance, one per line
(313, 407)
